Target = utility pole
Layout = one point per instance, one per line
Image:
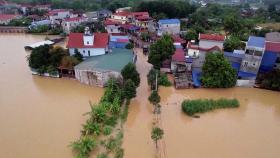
(156, 81)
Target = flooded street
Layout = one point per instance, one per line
(38, 116)
(251, 131)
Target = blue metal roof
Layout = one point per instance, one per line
(169, 21)
(229, 54)
(256, 42)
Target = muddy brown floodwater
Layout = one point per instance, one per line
(251, 131)
(38, 116)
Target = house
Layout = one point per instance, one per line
(118, 41)
(207, 43)
(98, 70)
(122, 17)
(88, 44)
(6, 18)
(69, 23)
(235, 58)
(104, 13)
(9, 8)
(58, 14)
(178, 42)
(92, 16)
(251, 62)
(178, 61)
(271, 57)
(152, 26)
(112, 26)
(168, 26)
(35, 24)
(141, 19)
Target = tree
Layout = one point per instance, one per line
(233, 43)
(161, 50)
(154, 98)
(78, 55)
(191, 35)
(130, 72)
(69, 62)
(39, 57)
(233, 24)
(129, 89)
(217, 72)
(157, 134)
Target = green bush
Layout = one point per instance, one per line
(163, 80)
(107, 130)
(129, 46)
(270, 80)
(102, 155)
(191, 107)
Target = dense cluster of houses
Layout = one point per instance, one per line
(260, 55)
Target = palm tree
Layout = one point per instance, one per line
(157, 134)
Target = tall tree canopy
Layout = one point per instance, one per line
(130, 72)
(161, 50)
(217, 72)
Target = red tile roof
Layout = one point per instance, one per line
(178, 39)
(111, 22)
(140, 14)
(8, 16)
(214, 48)
(179, 55)
(212, 37)
(122, 14)
(272, 46)
(76, 40)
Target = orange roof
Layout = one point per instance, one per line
(212, 37)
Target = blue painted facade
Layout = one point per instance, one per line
(268, 61)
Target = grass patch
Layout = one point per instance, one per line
(191, 107)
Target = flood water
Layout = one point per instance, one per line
(38, 116)
(251, 131)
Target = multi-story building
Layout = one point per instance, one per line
(251, 62)
(70, 23)
(168, 26)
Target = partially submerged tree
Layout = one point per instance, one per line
(130, 72)
(129, 89)
(161, 50)
(217, 72)
(157, 134)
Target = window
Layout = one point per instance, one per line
(87, 42)
(249, 52)
(111, 30)
(258, 53)
(89, 53)
(84, 51)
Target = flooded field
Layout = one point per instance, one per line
(38, 116)
(251, 131)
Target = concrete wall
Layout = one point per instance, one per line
(168, 29)
(209, 44)
(113, 29)
(85, 51)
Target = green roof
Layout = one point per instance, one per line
(114, 61)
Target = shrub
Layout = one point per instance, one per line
(119, 153)
(129, 46)
(102, 155)
(163, 80)
(154, 98)
(83, 146)
(191, 107)
(107, 130)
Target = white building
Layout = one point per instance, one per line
(70, 23)
(6, 18)
(88, 44)
(168, 26)
(121, 17)
(58, 14)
